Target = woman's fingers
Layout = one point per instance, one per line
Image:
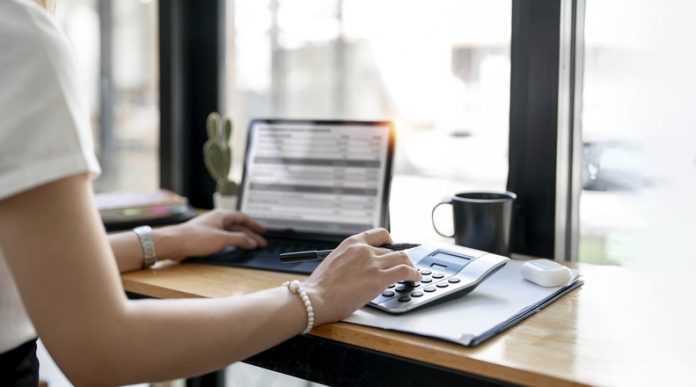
(240, 239)
(261, 241)
(234, 218)
(379, 251)
(393, 258)
(402, 272)
(375, 237)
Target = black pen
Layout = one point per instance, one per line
(311, 255)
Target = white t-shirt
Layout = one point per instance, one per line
(44, 127)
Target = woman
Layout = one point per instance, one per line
(59, 271)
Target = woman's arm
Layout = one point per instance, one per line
(203, 235)
(66, 274)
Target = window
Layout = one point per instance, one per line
(638, 129)
(116, 47)
(440, 71)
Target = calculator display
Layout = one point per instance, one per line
(445, 261)
(449, 258)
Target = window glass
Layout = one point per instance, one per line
(439, 69)
(124, 93)
(638, 126)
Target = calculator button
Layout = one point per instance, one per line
(438, 275)
(426, 280)
(392, 286)
(388, 293)
(454, 280)
(442, 285)
(430, 289)
(425, 272)
(417, 294)
(404, 299)
(402, 289)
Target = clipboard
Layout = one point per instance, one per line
(498, 304)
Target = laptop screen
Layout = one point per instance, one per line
(319, 177)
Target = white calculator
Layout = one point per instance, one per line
(447, 272)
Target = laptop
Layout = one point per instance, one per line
(311, 183)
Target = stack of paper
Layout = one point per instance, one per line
(498, 303)
(124, 210)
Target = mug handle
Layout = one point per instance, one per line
(432, 218)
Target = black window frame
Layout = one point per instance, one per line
(543, 130)
(192, 79)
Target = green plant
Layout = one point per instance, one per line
(218, 154)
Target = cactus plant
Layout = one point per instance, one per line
(218, 154)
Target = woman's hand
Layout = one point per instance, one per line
(203, 235)
(207, 234)
(354, 273)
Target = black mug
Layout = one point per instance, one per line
(482, 220)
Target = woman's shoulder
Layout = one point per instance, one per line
(45, 129)
(37, 58)
(29, 30)
(36, 54)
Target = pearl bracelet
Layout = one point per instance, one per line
(296, 287)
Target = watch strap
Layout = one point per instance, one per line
(144, 234)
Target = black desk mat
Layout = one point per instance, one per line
(266, 258)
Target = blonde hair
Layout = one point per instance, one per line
(48, 5)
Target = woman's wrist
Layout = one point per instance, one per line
(169, 243)
(147, 245)
(317, 303)
(300, 310)
(295, 287)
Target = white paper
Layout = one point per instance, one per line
(499, 298)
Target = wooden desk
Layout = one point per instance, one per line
(597, 335)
